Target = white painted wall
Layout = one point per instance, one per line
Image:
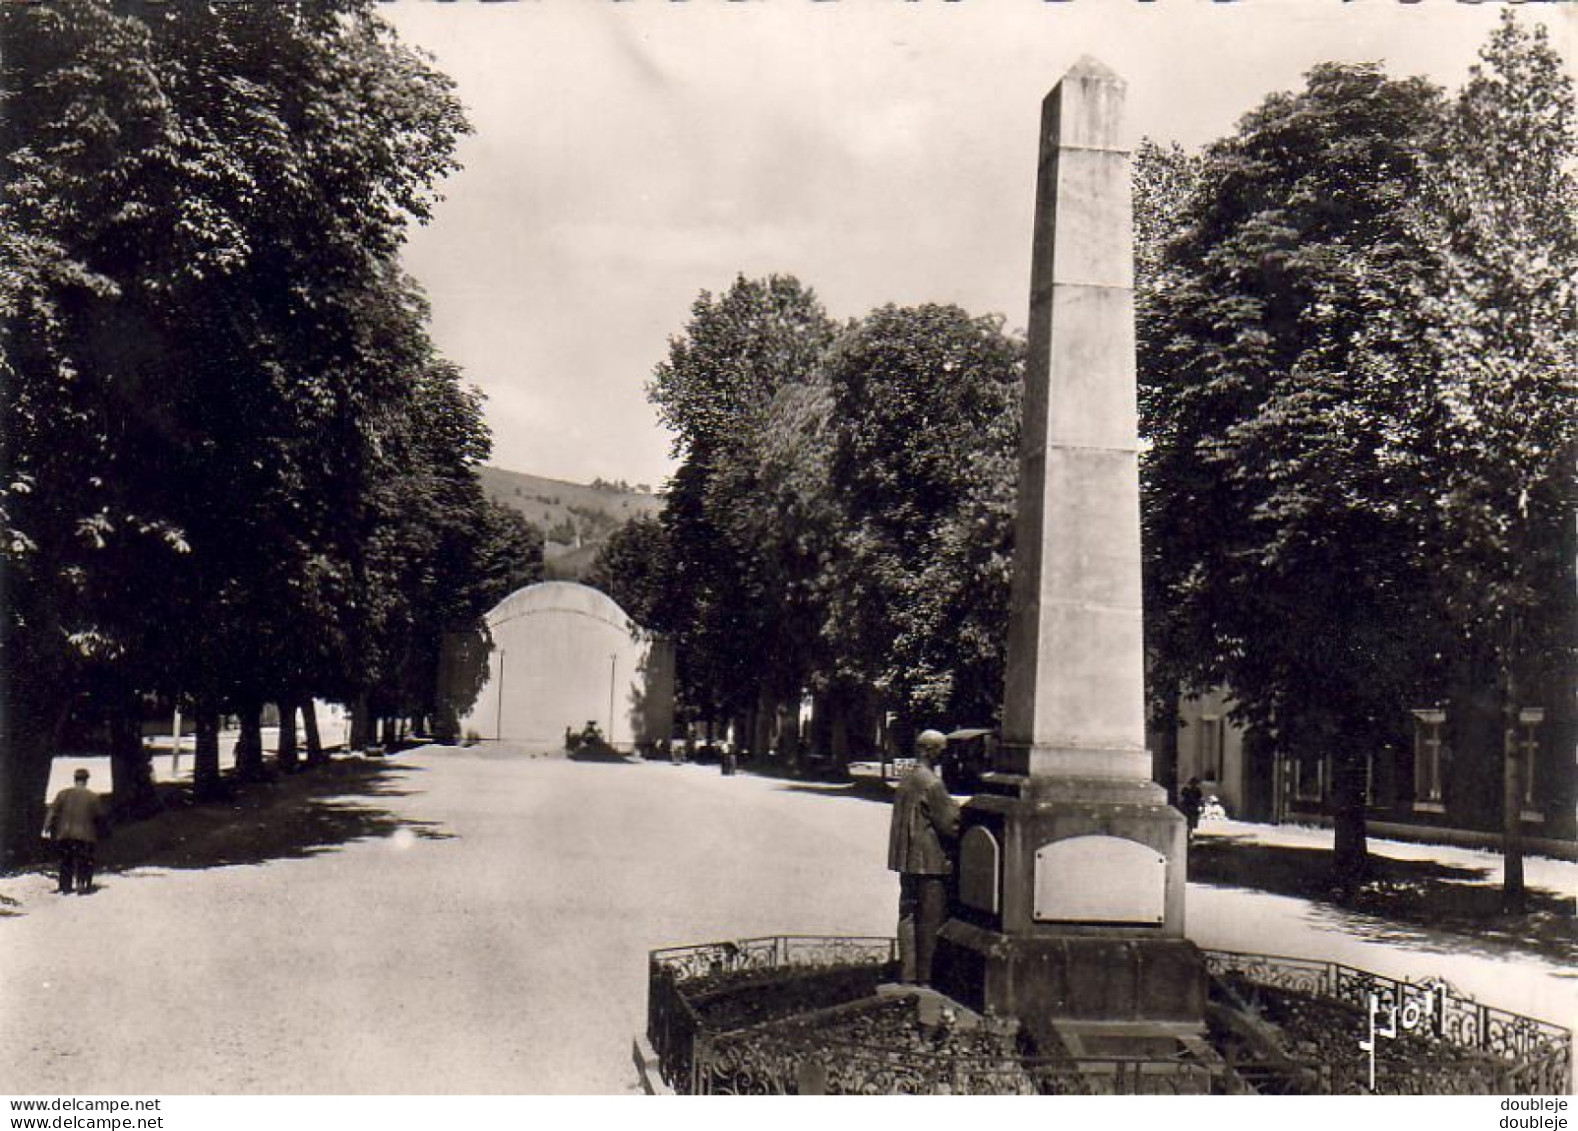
(558, 650)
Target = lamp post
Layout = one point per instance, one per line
(613, 665)
(498, 710)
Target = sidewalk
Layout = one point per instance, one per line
(1545, 872)
(1430, 900)
(170, 765)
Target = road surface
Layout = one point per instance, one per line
(493, 938)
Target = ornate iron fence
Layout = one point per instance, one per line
(831, 980)
(678, 978)
(771, 953)
(765, 1016)
(1507, 1053)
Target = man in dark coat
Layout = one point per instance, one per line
(1191, 800)
(73, 824)
(923, 815)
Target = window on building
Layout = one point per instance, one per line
(1208, 755)
(1309, 779)
(1429, 770)
(1529, 720)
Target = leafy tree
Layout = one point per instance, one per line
(83, 115)
(1273, 374)
(631, 567)
(509, 555)
(714, 391)
(923, 464)
(198, 201)
(1496, 435)
(1164, 179)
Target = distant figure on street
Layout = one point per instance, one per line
(1190, 802)
(923, 815)
(73, 823)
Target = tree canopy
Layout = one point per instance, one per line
(236, 471)
(1356, 370)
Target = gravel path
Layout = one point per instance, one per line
(496, 941)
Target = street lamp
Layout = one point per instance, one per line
(613, 664)
(498, 711)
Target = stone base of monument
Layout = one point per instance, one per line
(1068, 914)
(1124, 984)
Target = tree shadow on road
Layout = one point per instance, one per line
(821, 778)
(865, 789)
(1419, 903)
(292, 817)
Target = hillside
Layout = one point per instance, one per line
(575, 518)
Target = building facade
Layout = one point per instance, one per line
(1443, 778)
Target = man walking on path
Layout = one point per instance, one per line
(73, 824)
(923, 814)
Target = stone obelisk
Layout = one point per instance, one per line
(1069, 908)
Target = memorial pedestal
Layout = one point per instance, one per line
(1069, 908)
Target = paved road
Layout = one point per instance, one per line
(507, 957)
(496, 941)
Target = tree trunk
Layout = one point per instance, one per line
(1350, 859)
(36, 691)
(205, 752)
(361, 723)
(762, 723)
(789, 737)
(24, 782)
(131, 764)
(1164, 760)
(387, 736)
(1514, 897)
(309, 722)
(249, 744)
(838, 729)
(287, 756)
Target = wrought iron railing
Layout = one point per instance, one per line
(793, 1053)
(773, 952)
(788, 1042)
(1509, 1053)
(674, 1026)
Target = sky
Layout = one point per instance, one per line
(629, 155)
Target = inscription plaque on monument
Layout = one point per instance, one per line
(980, 869)
(1100, 879)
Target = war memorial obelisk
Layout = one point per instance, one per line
(1069, 912)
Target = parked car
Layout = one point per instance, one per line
(969, 754)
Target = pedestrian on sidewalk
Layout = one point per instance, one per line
(923, 816)
(1191, 801)
(74, 823)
